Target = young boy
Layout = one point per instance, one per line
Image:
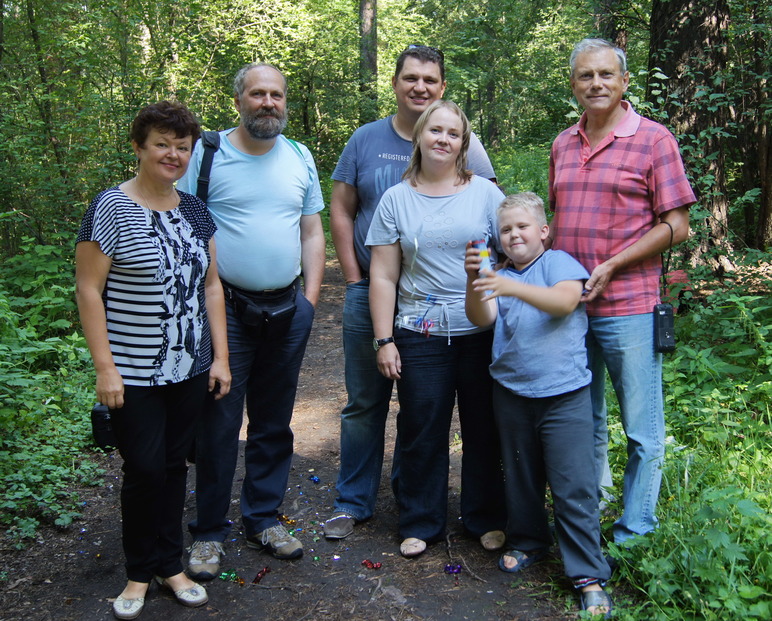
(541, 397)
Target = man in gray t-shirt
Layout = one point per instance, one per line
(373, 160)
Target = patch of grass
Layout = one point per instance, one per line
(711, 556)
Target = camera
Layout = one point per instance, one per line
(664, 329)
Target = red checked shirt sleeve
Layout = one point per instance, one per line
(605, 200)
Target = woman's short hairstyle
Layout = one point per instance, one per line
(165, 116)
(528, 202)
(414, 167)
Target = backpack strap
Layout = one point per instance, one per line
(211, 143)
(296, 147)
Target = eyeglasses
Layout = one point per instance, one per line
(414, 46)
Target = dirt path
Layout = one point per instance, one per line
(71, 574)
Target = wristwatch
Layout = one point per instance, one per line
(378, 343)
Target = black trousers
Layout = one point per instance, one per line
(154, 430)
(550, 440)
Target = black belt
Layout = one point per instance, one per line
(265, 293)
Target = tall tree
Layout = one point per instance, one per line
(368, 60)
(688, 44)
(609, 21)
(750, 81)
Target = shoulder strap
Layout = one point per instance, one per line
(302, 157)
(211, 143)
(297, 148)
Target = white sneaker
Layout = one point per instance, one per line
(278, 542)
(204, 562)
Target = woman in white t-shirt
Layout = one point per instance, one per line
(153, 315)
(418, 238)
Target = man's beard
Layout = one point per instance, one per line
(264, 124)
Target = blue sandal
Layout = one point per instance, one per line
(591, 599)
(524, 559)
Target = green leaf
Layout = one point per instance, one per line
(747, 591)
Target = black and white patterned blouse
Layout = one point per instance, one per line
(154, 295)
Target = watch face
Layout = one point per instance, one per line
(376, 347)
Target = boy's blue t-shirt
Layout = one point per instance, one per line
(534, 354)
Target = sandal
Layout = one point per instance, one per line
(524, 559)
(592, 599)
(128, 608)
(411, 547)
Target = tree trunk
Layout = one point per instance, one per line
(43, 103)
(764, 228)
(492, 133)
(762, 133)
(368, 60)
(688, 45)
(609, 23)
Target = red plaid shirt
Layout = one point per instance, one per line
(607, 198)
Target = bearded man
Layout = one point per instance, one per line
(265, 198)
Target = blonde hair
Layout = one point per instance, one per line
(414, 167)
(528, 202)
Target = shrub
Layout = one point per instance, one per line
(45, 395)
(523, 169)
(710, 557)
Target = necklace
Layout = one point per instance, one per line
(147, 202)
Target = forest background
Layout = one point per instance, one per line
(74, 74)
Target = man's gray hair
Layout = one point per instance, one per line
(593, 45)
(241, 76)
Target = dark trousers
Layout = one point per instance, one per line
(434, 373)
(550, 440)
(154, 430)
(264, 369)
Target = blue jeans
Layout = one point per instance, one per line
(434, 373)
(625, 346)
(363, 420)
(265, 370)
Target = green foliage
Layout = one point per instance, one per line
(710, 557)
(45, 396)
(523, 169)
(38, 281)
(507, 63)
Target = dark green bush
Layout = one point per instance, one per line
(45, 394)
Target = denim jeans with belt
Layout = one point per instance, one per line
(363, 420)
(265, 370)
(435, 373)
(625, 346)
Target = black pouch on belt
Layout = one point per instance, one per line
(264, 310)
